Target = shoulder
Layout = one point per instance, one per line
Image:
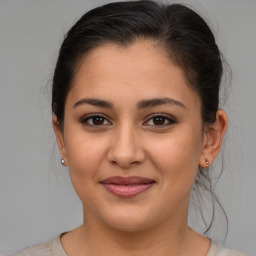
(218, 249)
(50, 248)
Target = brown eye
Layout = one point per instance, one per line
(95, 120)
(98, 120)
(160, 120)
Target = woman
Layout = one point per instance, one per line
(136, 115)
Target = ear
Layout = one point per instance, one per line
(213, 136)
(60, 139)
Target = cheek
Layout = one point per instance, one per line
(176, 156)
(85, 154)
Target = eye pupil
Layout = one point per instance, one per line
(158, 120)
(98, 120)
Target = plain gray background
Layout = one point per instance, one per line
(37, 201)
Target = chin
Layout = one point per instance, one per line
(129, 221)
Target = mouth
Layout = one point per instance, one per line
(127, 186)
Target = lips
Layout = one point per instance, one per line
(127, 186)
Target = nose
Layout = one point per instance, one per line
(126, 149)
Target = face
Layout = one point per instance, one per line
(132, 137)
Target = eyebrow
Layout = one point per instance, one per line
(140, 105)
(94, 102)
(158, 102)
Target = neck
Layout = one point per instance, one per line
(168, 238)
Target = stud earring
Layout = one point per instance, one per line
(206, 161)
(62, 161)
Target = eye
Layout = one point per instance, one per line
(160, 120)
(95, 120)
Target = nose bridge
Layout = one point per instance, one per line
(125, 147)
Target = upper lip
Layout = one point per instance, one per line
(131, 180)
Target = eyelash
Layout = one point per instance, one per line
(167, 118)
(85, 120)
(170, 121)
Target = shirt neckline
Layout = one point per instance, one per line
(58, 249)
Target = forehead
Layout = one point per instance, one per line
(143, 56)
(141, 69)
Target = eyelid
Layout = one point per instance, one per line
(171, 119)
(85, 118)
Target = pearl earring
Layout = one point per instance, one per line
(62, 161)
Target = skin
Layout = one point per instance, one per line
(128, 141)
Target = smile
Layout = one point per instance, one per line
(127, 186)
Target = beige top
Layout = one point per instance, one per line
(54, 248)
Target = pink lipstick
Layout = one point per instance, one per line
(127, 186)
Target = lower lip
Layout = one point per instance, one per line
(127, 190)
